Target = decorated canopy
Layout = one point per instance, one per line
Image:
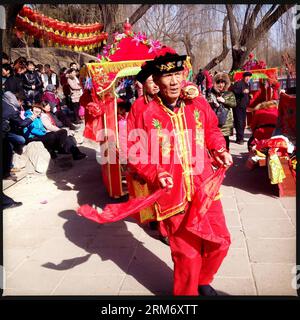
(123, 58)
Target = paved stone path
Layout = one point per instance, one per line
(49, 250)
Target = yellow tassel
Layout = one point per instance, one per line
(80, 48)
(104, 41)
(119, 65)
(76, 48)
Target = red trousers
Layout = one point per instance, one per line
(196, 259)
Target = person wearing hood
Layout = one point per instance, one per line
(220, 96)
(32, 84)
(11, 128)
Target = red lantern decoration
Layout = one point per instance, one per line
(93, 28)
(34, 16)
(39, 18)
(60, 26)
(67, 27)
(46, 21)
(72, 28)
(52, 24)
(23, 11)
(30, 29)
(28, 12)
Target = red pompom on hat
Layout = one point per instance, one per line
(164, 50)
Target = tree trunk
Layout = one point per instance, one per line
(215, 61)
(251, 35)
(113, 19)
(189, 50)
(11, 11)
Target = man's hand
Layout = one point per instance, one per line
(246, 91)
(223, 159)
(221, 99)
(33, 87)
(165, 180)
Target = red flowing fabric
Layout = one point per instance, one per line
(202, 200)
(197, 221)
(119, 211)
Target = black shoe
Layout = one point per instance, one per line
(12, 205)
(207, 291)
(74, 126)
(53, 154)
(239, 141)
(165, 240)
(11, 176)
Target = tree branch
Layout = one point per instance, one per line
(232, 26)
(136, 16)
(225, 50)
(267, 23)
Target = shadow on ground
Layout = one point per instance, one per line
(112, 241)
(255, 181)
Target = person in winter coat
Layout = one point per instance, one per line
(220, 95)
(204, 81)
(76, 93)
(52, 141)
(241, 90)
(12, 138)
(14, 82)
(12, 123)
(49, 77)
(7, 71)
(51, 125)
(61, 118)
(32, 84)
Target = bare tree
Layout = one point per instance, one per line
(185, 27)
(112, 16)
(215, 61)
(245, 39)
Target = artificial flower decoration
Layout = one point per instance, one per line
(154, 45)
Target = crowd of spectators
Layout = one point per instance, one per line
(39, 107)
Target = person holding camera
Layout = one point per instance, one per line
(223, 102)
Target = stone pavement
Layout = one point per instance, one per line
(49, 250)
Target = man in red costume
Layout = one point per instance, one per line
(181, 140)
(138, 187)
